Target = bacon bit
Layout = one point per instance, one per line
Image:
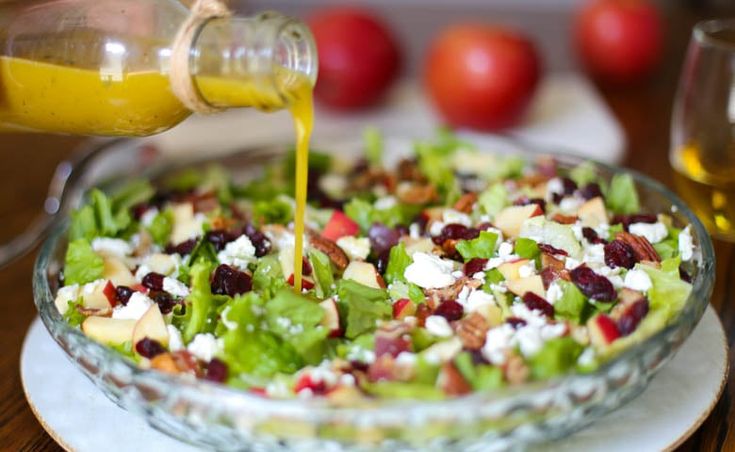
(472, 331)
(564, 219)
(465, 202)
(642, 248)
(328, 247)
(416, 194)
(452, 382)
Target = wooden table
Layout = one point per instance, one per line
(28, 162)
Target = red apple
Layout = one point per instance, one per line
(392, 339)
(340, 225)
(358, 57)
(110, 293)
(403, 308)
(331, 318)
(482, 76)
(619, 41)
(510, 219)
(602, 330)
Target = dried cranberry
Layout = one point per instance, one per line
(478, 358)
(590, 191)
(450, 310)
(259, 240)
(536, 303)
(153, 281)
(557, 197)
(593, 285)
(305, 266)
(230, 281)
(549, 275)
(359, 366)
(421, 220)
(591, 236)
(684, 275)
(305, 283)
(524, 201)
(474, 266)
(627, 220)
(548, 249)
(216, 371)
(123, 294)
(455, 231)
(182, 248)
(219, 238)
(148, 348)
(402, 230)
(382, 237)
(316, 387)
(484, 226)
(569, 186)
(139, 210)
(515, 322)
(619, 254)
(632, 316)
(164, 300)
(381, 261)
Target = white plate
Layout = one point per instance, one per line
(79, 417)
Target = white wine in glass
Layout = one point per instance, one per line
(703, 127)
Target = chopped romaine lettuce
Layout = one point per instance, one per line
(133, 193)
(268, 277)
(621, 196)
(526, 248)
(201, 301)
(323, 274)
(482, 247)
(398, 260)
(572, 303)
(494, 199)
(480, 377)
(296, 320)
(72, 314)
(82, 264)
(556, 357)
(161, 227)
(583, 174)
(278, 210)
(363, 305)
(373, 140)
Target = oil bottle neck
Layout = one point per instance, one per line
(252, 61)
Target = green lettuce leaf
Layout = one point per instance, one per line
(72, 315)
(363, 305)
(398, 260)
(668, 293)
(161, 227)
(584, 173)
(82, 264)
(83, 224)
(572, 303)
(480, 377)
(555, 358)
(373, 141)
(268, 277)
(526, 248)
(494, 199)
(481, 247)
(323, 274)
(296, 320)
(134, 192)
(621, 196)
(277, 210)
(202, 301)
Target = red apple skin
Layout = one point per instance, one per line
(403, 308)
(110, 293)
(359, 57)
(482, 76)
(619, 41)
(606, 327)
(340, 225)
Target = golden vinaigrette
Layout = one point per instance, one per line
(709, 189)
(54, 98)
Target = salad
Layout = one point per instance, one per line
(454, 271)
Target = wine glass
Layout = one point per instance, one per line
(703, 127)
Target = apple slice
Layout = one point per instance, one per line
(116, 271)
(593, 213)
(403, 308)
(422, 245)
(602, 330)
(509, 270)
(340, 225)
(510, 219)
(185, 225)
(331, 317)
(285, 258)
(152, 326)
(165, 264)
(94, 297)
(558, 235)
(363, 273)
(108, 330)
(532, 284)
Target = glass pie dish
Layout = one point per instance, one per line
(222, 418)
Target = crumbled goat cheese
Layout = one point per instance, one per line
(436, 228)
(554, 293)
(112, 247)
(497, 342)
(595, 254)
(577, 230)
(406, 359)
(570, 204)
(529, 269)
(554, 187)
(570, 263)
(64, 296)
(505, 249)
(654, 233)
(333, 184)
(385, 203)
(438, 326)
(637, 280)
(142, 270)
(686, 244)
(237, 253)
(148, 216)
(355, 248)
(165, 264)
(137, 305)
(451, 216)
(429, 271)
(175, 342)
(478, 300)
(205, 346)
(175, 287)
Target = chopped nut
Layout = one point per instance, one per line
(99, 312)
(642, 248)
(220, 222)
(165, 363)
(451, 292)
(408, 170)
(415, 193)
(515, 370)
(328, 247)
(472, 331)
(465, 202)
(452, 382)
(565, 219)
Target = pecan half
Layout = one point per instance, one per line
(564, 219)
(415, 193)
(328, 247)
(408, 170)
(176, 362)
(642, 248)
(515, 370)
(452, 382)
(98, 312)
(451, 292)
(472, 331)
(465, 202)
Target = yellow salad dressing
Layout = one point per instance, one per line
(54, 98)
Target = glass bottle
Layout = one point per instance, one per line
(101, 67)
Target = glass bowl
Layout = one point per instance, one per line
(222, 418)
